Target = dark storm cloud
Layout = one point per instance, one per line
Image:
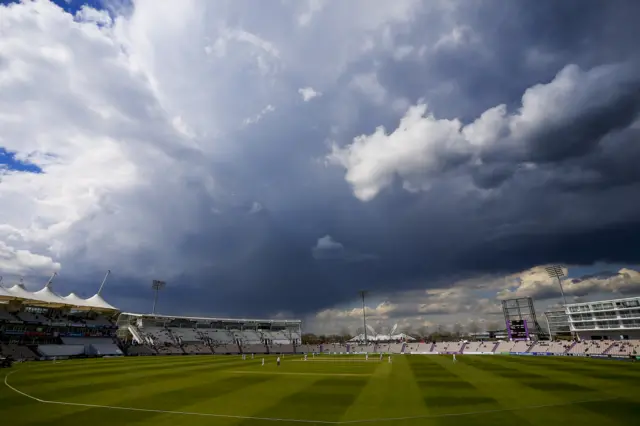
(235, 262)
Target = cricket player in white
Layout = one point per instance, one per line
(305, 357)
(278, 361)
(251, 356)
(454, 358)
(389, 359)
(366, 357)
(263, 362)
(380, 357)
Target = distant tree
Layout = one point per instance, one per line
(345, 335)
(423, 331)
(310, 339)
(494, 326)
(457, 329)
(473, 327)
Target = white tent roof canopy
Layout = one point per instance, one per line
(46, 297)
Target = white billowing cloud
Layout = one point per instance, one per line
(411, 310)
(327, 248)
(125, 116)
(424, 148)
(413, 152)
(328, 243)
(23, 262)
(308, 93)
(537, 284)
(475, 300)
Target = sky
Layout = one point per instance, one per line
(272, 158)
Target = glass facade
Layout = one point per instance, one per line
(618, 314)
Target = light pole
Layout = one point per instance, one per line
(157, 285)
(555, 271)
(363, 293)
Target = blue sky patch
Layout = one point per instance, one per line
(9, 161)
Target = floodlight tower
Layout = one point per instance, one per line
(157, 285)
(364, 293)
(556, 271)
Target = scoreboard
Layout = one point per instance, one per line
(518, 329)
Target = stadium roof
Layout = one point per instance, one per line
(46, 297)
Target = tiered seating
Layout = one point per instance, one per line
(336, 347)
(395, 348)
(218, 336)
(249, 336)
(623, 348)
(521, 346)
(140, 350)
(169, 349)
(159, 335)
(417, 347)
(16, 351)
(479, 347)
(30, 317)
(254, 348)
(581, 347)
(370, 348)
(197, 349)
(186, 334)
(308, 349)
(277, 336)
(226, 348)
(281, 348)
(550, 347)
(99, 321)
(448, 347)
(6, 316)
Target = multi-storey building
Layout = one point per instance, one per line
(617, 319)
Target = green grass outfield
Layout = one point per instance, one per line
(414, 390)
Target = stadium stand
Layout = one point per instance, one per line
(369, 348)
(559, 347)
(6, 316)
(42, 325)
(197, 349)
(17, 351)
(479, 347)
(448, 347)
